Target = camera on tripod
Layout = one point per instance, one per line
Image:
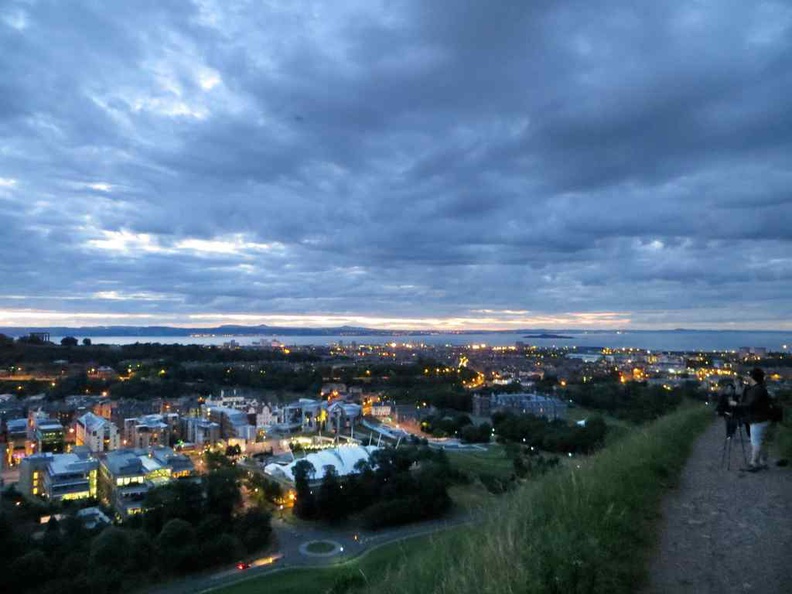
(736, 418)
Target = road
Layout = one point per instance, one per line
(288, 555)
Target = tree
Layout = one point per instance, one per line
(52, 537)
(86, 342)
(223, 549)
(180, 499)
(69, 341)
(330, 503)
(108, 558)
(305, 504)
(222, 492)
(216, 460)
(177, 546)
(26, 572)
(253, 529)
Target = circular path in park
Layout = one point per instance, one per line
(321, 548)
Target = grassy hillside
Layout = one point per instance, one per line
(588, 528)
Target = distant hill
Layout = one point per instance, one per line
(224, 330)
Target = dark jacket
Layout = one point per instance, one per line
(756, 404)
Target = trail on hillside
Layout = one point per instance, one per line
(724, 530)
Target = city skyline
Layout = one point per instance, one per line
(396, 165)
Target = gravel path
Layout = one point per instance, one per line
(725, 531)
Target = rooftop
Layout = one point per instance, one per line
(142, 461)
(70, 464)
(343, 459)
(91, 421)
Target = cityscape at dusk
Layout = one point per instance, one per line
(395, 296)
(396, 165)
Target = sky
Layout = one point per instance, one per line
(396, 164)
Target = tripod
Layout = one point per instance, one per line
(734, 424)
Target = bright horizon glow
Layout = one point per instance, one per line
(494, 320)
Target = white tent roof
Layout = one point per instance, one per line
(343, 459)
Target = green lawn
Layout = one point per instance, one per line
(320, 546)
(374, 567)
(617, 428)
(493, 462)
(471, 497)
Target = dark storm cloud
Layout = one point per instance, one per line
(398, 158)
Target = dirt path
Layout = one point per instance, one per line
(724, 530)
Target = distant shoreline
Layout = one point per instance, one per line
(553, 336)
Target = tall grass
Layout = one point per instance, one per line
(588, 528)
(783, 436)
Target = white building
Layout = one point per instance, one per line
(265, 415)
(99, 434)
(343, 459)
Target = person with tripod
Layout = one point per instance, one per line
(731, 397)
(737, 429)
(756, 407)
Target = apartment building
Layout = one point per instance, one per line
(97, 433)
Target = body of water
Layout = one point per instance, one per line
(651, 340)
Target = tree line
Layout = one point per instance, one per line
(189, 525)
(396, 486)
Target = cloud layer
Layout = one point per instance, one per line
(582, 163)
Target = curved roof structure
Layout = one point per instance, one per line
(343, 459)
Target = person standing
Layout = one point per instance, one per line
(756, 406)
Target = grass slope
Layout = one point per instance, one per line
(586, 529)
(491, 461)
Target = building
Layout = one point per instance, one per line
(127, 475)
(199, 431)
(147, 431)
(305, 414)
(344, 415)
(266, 414)
(104, 372)
(343, 459)
(16, 440)
(31, 474)
(233, 423)
(59, 477)
(46, 434)
(533, 404)
(333, 390)
(93, 517)
(104, 408)
(585, 357)
(71, 476)
(97, 433)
